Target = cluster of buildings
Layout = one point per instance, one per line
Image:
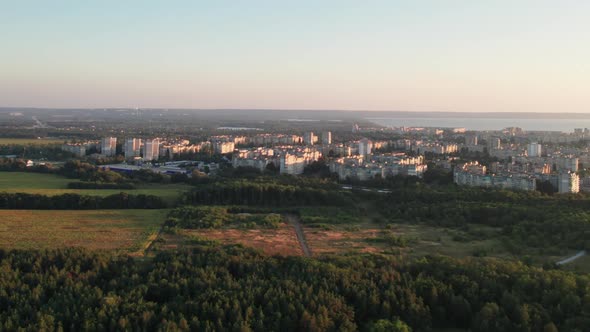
(355, 159)
(524, 159)
(477, 175)
(173, 167)
(289, 159)
(273, 139)
(78, 149)
(366, 167)
(266, 140)
(137, 149)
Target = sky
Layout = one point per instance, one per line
(415, 55)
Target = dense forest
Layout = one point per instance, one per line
(234, 289)
(530, 218)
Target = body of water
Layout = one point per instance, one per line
(564, 125)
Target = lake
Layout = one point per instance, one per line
(546, 124)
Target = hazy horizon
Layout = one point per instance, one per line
(423, 56)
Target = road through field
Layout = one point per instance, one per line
(294, 220)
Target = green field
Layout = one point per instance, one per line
(50, 184)
(29, 141)
(119, 230)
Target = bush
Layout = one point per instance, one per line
(192, 217)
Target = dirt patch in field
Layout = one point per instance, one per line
(324, 242)
(280, 241)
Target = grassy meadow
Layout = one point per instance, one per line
(119, 230)
(51, 184)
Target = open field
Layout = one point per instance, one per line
(51, 184)
(120, 230)
(29, 141)
(329, 231)
(415, 240)
(280, 241)
(421, 240)
(337, 241)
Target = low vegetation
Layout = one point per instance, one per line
(191, 217)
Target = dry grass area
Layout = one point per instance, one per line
(120, 230)
(280, 241)
(422, 240)
(370, 238)
(322, 242)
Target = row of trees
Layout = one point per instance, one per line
(20, 201)
(35, 151)
(265, 194)
(101, 185)
(20, 165)
(234, 289)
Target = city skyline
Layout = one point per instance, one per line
(406, 56)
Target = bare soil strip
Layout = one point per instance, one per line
(294, 220)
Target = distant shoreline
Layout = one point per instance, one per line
(310, 112)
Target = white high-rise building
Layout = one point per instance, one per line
(108, 146)
(568, 183)
(327, 137)
(568, 164)
(221, 147)
(151, 149)
(292, 164)
(309, 138)
(471, 139)
(495, 143)
(132, 148)
(534, 149)
(365, 147)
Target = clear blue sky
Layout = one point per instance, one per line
(366, 55)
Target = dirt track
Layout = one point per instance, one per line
(294, 220)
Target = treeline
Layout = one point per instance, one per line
(264, 194)
(235, 289)
(73, 169)
(24, 201)
(20, 165)
(100, 185)
(35, 151)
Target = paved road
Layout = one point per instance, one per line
(294, 220)
(572, 258)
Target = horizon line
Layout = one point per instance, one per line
(282, 109)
